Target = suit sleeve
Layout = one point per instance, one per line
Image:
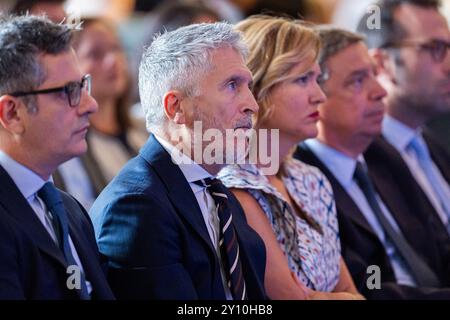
(10, 282)
(141, 238)
(389, 290)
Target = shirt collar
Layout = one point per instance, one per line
(26, 180)
(341, 165)
(190, 169)
(397, 133)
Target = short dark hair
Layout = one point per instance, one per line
(22, 40)
(333, 41)
(391, 31)
(23, 6)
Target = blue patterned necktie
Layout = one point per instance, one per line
(425, 162)
(53, 201)
(228, 244)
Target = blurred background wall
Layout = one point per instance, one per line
(137, 20)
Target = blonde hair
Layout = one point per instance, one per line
(276, 45)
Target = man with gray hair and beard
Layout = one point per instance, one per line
(170, 229)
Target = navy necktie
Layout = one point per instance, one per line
(228, 244)
(53, 201)
(424, 276)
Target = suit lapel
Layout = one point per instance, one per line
(439, 154)
(19, 209)
(344, 203)
(180, 193)
(395, 183)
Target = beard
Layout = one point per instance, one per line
(226, 144)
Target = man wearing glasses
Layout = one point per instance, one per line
(47, 245)
(411, 50)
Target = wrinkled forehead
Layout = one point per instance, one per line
(422, 23)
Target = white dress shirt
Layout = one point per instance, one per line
(194, 172)
(343, 169)
(29, 183)
(399, 136)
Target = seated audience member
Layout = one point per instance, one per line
(379, 225)
(114, 136)
(167, 16)
(47, 243)
(170, 228)
(292, 208)
(411, 50)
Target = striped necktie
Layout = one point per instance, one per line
(228, 244)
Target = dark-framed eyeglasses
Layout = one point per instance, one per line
(437, 48)
(72, 90)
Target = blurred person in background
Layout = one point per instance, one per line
(114, 136)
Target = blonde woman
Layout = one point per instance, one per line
(293, 210)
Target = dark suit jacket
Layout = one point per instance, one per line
(362, 248)
(31, 265)
(383, 158)
(148, 222)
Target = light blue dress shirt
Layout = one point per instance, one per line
(343, 169)
(29, 183)
(194, 172)
(77, 182)
(400, 136)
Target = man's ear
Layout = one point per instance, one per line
(10, 115)
(384, 63)
(173, 107)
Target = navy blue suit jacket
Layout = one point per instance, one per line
(31, 265)
(149, 224)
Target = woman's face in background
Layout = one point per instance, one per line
(294, 104)
(100, 54)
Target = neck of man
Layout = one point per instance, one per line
(351, 146)
(42, 167)
(185, 142)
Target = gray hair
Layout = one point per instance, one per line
(333, 41)
(22, 40)
(176, 60)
